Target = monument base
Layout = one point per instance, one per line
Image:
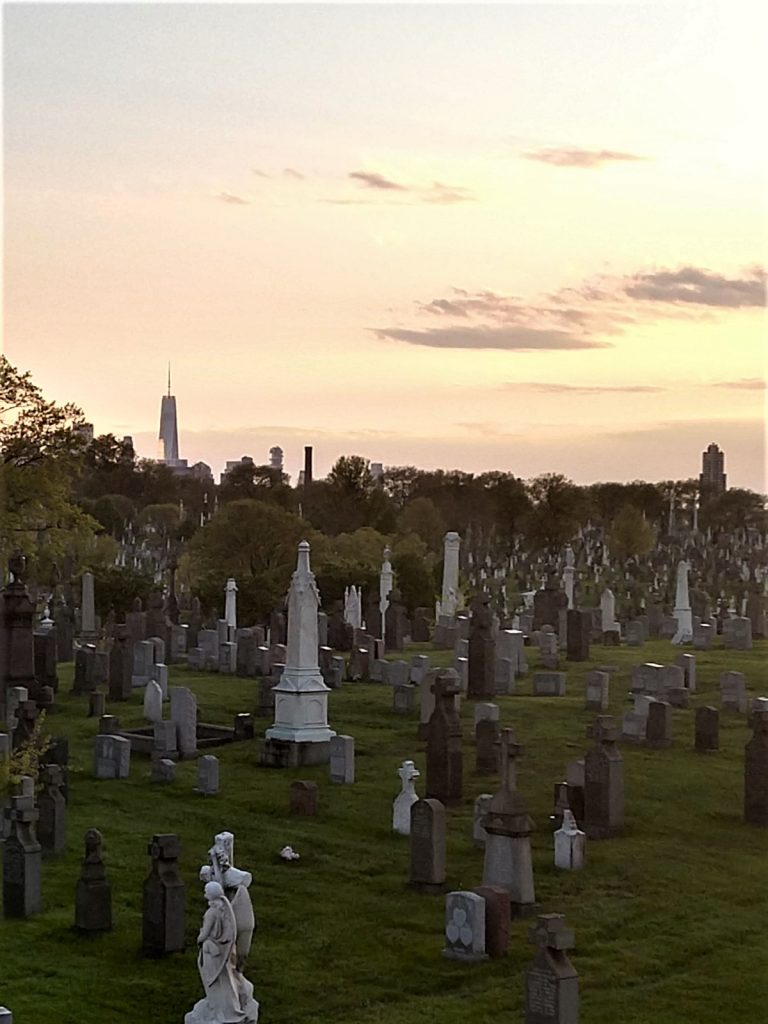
(290, 754)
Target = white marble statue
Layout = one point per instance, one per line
(220, 868)
(401, 807)
(228, 995)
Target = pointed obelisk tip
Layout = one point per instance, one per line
(169, 378)
(302, 563)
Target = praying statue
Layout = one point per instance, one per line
(228, 995)
(221, 869)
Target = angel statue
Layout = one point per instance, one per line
(221, 869)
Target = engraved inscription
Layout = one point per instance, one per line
(542, 993)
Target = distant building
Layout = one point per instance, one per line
(85, 430)
(712, 479)
(169, 438)
(276, 458)
(245, 460)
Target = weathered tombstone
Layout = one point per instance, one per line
(737, 634)
(635, 634)
(97, 704)
(395, 622)
(208, 775)
(164, 899)
(658, 730)
(58, 753)
(427, 845)
(707, 735)
(733, 694)
(184, 717)
(153, 702)
(482, 651)
(22, 855)
(111, 757)
(26, 715)
(569, 844)
(52, 825)
(487, 733)
(405, 799)
(482, 803)
(497, 916)
(164, 741)
(597, 692)
(687, 662)
(549, 684)
(143, 660)
(303, 798)
(445, 762)
(109, 725)
(342, 763)
(703, 632)
(464, 927)
(243, 727)
(579, 627)
(93, 893)
(756, 772)
(508, 828)
(551, 982)
(45, 658)
(574, 780)
(404, 699)
(603, 782)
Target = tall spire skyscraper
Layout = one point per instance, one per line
(169, 433)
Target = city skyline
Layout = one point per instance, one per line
(515, 238)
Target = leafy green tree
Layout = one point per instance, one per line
(118, 587)
(558, 508)
(422, 518)
(630, 535)
(737, 508)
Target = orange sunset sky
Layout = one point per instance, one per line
(518, 237)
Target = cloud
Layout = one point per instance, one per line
(258, 173)
(446, 194)
(744, 383)
(371, 179)
(580, 389)
(510, 339)
(230, 197)
(700, 287)
(289, 172)
(579, 157)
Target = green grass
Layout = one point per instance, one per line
(670, 919)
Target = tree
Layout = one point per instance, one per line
(559, 507)
(630, 535)
(247, 480)
(422, 518)
(735, 509)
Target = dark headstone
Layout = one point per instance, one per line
(603, 782)
(93, 893)
(756, 772)
(707, 737)
(548, 603)
(658, 728)
(427, 845)
(420, 631)
(243, 726)
(578, 630)
(304, 798)
(551, 982)
(497, 915)
(97, 703)
(45, 661)
(22, 857)
(52, 825)
(58, 753)
(445, 765)
(164, 899)
(481, 650)
(395, 623)
(17, 649)
(487, 732)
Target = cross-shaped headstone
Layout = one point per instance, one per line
(509, 752)
(551, 932)
(603, 730)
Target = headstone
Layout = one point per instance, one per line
(303, 798)
(569, 844)
(445, 763)
(597, 693)
(465, 927)
(487, 733)
(164, 740)
(427, 845)
(109, 725)
(120, 665)
(756, 772)
(482, 651)
(707, 736)
(579, 627)
(93, 893)
(52, 824)
(549, 684)
(97, 702)
(163, 770)
(143, 660)
(342, 763)
(405, 799)
(111, 757)
(603, 782)
(184, 717)
(404, 699)
(703, 633)
(737, 634)
(551, 982)
(635, 634)
(687, 662)
(208, 775)
(22, 855)
(733, 694)
(574, 780)
(395, 623)
(497, 916)
(658, 730)
(164, 899)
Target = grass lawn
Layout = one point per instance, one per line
(670, 919)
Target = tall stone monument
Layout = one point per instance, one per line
(17, 645)
(551, 982)
(445, 765)
(603, 782)
(300, 734)
(449, 598)
(683, 612)
(481, 650)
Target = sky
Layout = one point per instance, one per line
(520, 237)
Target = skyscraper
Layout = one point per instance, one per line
(712, 477)
(169, 433)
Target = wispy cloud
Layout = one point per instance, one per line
(699, 286)
(510, 339)
(543, 387)
(259, 173)
(576, 157)
(230, 197)
(743, 384)
(290, 172)
(372, 179)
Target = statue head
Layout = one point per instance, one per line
(213, 891)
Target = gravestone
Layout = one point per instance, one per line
(481, 684)
(445, 763)
(703, 633)
(482, 803)
(17, 646)
(208, 775)
(93, 893)
(756, 772)
(486, 711)
(97, 704)
(58, 753)
(405, 799)
(164, 899)
(109, 725)
(111, 757)
(551, 982)
(497, 916)
(487, 732)
(22, 855)
(163, 770)
(465, 927)
(427, 845)
(569, 844)
(184, 717)
(549, 684)
(164, 740)
(45, 658)
(603, 782)
(737, 634)
(342, 763)
(658, 730)
(733, 694)
(395, 623)
(597, 691)
(635, 634)
(153, 702)
(52, 824)
(404, 698)
(579, 627)
(687, 662)
(707, 736)
(303, 798)
(548, 603)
